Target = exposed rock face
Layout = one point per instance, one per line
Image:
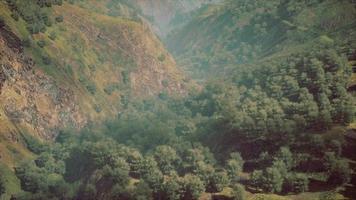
(151, 64)
(29, 98)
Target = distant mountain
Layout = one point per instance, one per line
(166, 14)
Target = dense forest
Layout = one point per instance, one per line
(269, 114)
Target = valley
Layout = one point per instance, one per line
(188, 99)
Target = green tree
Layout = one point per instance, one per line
(173, 187)
(151, 174)
(193, 187)
(256, 178)
(234, 166)
(142, 191)
(336, 147)
(338, 169)
(218, 181)
(285, 155)
(272, 180)
(296, 182)
(166, 158)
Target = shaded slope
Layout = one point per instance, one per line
(239, 32)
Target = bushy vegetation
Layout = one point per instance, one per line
(2, 186)
(93, 166)
(35, 13)
(267, 117)
(220, 37)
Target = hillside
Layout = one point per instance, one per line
(76, 72)
(226, 36)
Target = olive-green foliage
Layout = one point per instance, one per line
(41, 43)
(142, 192)
(286, 157)
(338, 169)
(173, 187)
(193, 186)
(166, 157)
(234, 166)
(279, 98)
(218, 181)
(296, 182)
(270, 180)
(52, 35)
(33, 144)
(36, 14)
(37, 179)
(239, 192)
(59, 19)
(2, 186)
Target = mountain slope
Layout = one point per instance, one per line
(240, 32)
(77, 72)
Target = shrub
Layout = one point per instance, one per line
(281, 166)
(256, 178)
(26, 42)
(173, 187)
(2, 21)
(218, 181)
(163, 95)
(46, 60)
(193, 187)
(59, 19)
(272, 180)
(125, 77)
(326, 41)
(269, 180)
(234, 166)
(336, 147)
(110, 89)
(340, 173)
(338, 169)
(34, 144)
(52, 35)
(286, 156)
(2, 186)
(91, 88)
(238, 192)
(15, 16)
(296, 182)
(161, 57)
(165, 83)
(41, 43)
(97, 108)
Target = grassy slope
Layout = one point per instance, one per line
(12, 184)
